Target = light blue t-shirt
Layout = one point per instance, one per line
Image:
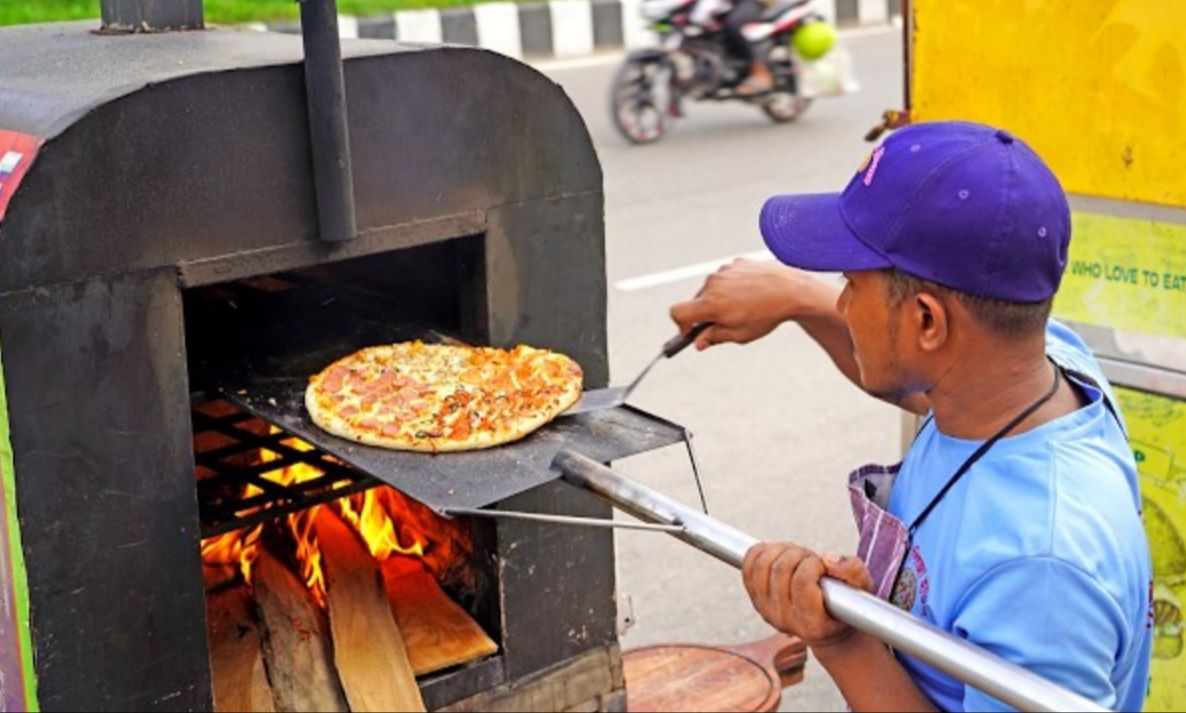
(1038, 553)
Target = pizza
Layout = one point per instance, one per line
(442, 397)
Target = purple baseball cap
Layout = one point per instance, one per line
(963, 205)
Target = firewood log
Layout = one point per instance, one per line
(236, 657)
(368, 648)
(438, 632)
(297, 651)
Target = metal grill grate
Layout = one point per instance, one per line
(234, 449)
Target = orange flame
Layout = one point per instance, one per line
(369, 513)
(233, 549)
(371, 519)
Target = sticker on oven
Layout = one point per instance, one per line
(9, 163)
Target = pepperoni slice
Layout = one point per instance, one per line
(332, 383)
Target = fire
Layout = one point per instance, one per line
(372, 514)
(373, 522)
(233, 548)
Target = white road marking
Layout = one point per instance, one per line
(418, 25)
(498, 27)
(894, 25)
(596, 60)
(572, 27)
(666, 277)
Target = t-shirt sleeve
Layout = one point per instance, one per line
(1048, 617)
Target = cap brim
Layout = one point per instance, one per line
(809, 232)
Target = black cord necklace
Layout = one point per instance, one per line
(984, 448)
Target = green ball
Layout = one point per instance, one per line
(813, 40)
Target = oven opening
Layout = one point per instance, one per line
(317, 574)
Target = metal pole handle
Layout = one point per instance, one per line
(995, 676)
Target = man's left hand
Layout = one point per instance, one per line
(783, 581)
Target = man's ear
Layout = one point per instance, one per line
(932, 321)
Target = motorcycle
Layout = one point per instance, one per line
(691, 62)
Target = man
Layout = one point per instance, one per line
(758, 78)
(737, 14)
(1014, 520)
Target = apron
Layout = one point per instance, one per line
(885, 540)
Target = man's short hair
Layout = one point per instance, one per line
(1008, 319)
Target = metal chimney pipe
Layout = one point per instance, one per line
(151, 15)
(329, 134)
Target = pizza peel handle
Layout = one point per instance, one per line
(908, 634)
(680, 342)
(671, 347)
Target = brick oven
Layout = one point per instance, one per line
(165, 276)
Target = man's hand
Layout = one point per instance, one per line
(783, 583)
(746, 300)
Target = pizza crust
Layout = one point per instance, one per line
(503, 395)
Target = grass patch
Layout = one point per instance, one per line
(15, 12)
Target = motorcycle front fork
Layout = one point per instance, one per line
(675, 105)
(675, 95)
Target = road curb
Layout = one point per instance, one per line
(557, 28)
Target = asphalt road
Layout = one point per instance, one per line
(777, 427)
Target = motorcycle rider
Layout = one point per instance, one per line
(758, 78)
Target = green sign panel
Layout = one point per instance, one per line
(1126, 274)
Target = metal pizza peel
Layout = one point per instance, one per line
(614, 396)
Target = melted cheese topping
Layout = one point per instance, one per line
(442, 397)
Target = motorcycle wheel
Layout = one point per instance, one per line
(639, 112)
(785, 107)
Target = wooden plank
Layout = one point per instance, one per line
(369, 651)
(236, 657)
(592, 678)
(437, 631)
(296, 641)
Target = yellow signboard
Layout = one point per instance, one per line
(1157, 426)
(1126, 273)
(1097, 87)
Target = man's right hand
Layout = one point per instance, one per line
(745, 300)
